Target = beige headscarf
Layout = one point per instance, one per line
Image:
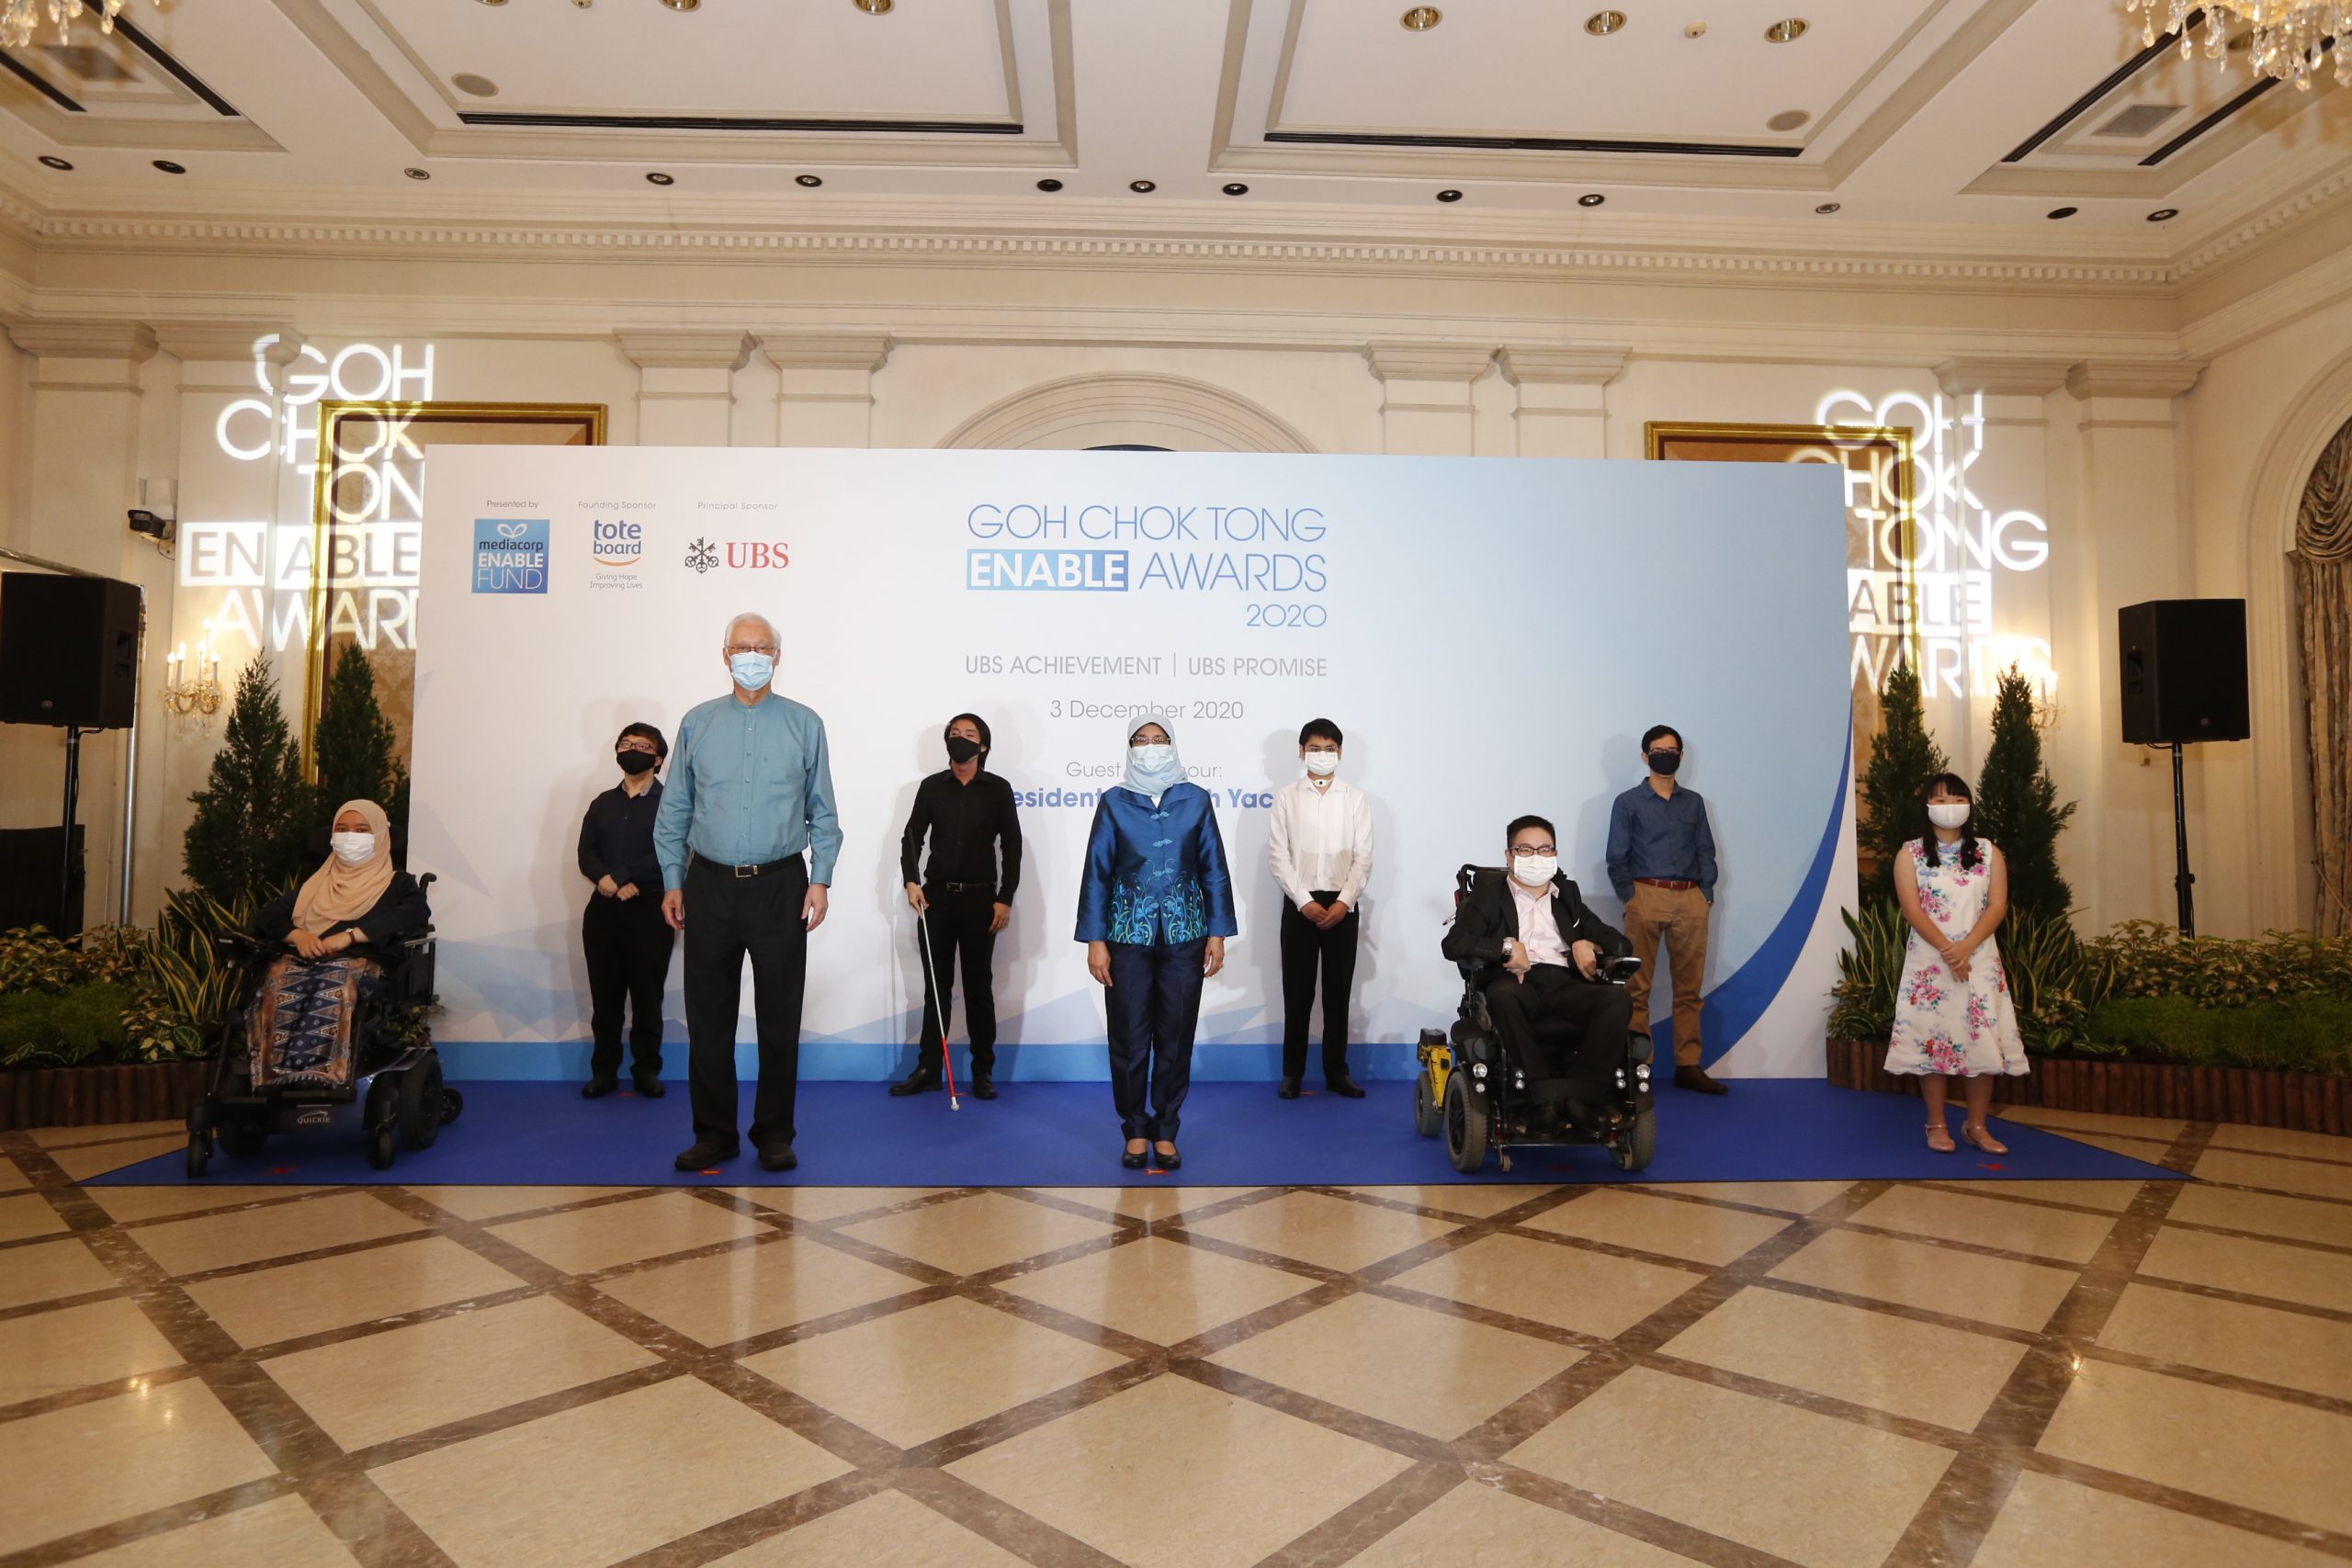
(336, 892)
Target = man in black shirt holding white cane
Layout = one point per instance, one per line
(963, 896)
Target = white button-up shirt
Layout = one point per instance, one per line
(1539, 933)
(1321, 839)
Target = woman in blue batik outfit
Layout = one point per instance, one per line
(1154, 910)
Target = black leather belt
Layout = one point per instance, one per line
(965, 886)
(739, 871)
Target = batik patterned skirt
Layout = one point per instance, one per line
(300, 1027)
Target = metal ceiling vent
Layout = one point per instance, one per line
(2138, 120)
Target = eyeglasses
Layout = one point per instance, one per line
(766, 647)
(1521, 852)
(637, 743)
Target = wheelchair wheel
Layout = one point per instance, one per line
(380, 1119)
(1634, 1152)
(199, 1154)
(453, 1105)
(242, 1134)
(1465, 1125)
(1427, 1117)
(420, 1104)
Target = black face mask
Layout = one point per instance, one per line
(1664, 762)
(635, 763)
(960, 750)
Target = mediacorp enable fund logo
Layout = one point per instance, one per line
(510, 555)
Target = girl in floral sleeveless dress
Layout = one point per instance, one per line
(1953, 1016)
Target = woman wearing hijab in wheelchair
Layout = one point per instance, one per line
(1154, 909)
(351, 913)
(1542, 948)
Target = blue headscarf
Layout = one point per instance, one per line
(1153, 782)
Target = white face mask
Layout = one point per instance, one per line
(352, 848)
(1534, 870)
(1322, 764)
(1947, 813)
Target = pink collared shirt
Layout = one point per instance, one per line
(1538, 931)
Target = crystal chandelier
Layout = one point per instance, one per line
(2285, 39)
(20, 19)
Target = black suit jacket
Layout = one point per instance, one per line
(401, 910)
(1490, 913)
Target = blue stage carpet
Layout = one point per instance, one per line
(1063, 1134)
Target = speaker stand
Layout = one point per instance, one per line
(69, 919)
(2182, 881)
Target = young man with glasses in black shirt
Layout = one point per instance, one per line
(964, 897)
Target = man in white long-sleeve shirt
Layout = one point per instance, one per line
(1319, 848)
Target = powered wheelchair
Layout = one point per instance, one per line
(395, 1073)
(1469, 1090)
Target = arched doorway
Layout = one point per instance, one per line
(1126, 413)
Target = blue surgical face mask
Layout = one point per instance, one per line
(752, 671)
(1153, 770)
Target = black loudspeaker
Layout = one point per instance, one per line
(69, 650)
(2184, 670)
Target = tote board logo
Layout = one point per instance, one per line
(510, 555)
(615, 542)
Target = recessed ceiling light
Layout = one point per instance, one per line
(1590, 199)
(1142, 188)
(417, 174)
(50, 160)
(2063, 211)
(683, 5)
(493, 2)
(169, 167)
(658, 178)
(2160, 215)
(1695, 29)
(1237, 189)
(1787, 30)
(1449, 196)
(1829, 207)
(811, 181)
(1787, 120)
(875, 7)
(474, 86)
(1420, 19)
(1601, 24)
(1049, 185)
(584, 5)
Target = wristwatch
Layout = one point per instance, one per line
(1508, 943)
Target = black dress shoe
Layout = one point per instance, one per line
(705, 1153)
(916, 1082)
(1344, 1087)
(648, 1087)
(1695, 1078)
(598, 1087)
(1135, 1161)
(1171, 1161)
(777, 1156)
(983, 1088)
(1289, 1089)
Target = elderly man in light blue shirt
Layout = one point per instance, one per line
(750, 790)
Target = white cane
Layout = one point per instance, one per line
(938, 1012)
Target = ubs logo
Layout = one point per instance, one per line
(754, 555)
(616, 543)
(701, 555)
(510, 556)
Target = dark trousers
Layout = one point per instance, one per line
(729, 916)
(1594, 1018)
(1152, 1008)
(956, 928)
(628, 944)
(1305, 948)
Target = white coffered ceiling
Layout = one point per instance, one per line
(1977, 116)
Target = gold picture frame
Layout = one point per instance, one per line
(473, 424)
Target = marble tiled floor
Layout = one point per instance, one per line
(1835, 1374)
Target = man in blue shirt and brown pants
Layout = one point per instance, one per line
(751, 789)
(1662, 863)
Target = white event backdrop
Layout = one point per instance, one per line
(1493, 634)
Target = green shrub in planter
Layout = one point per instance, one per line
(2304, 1033)
(39, 1029)
(2144, 959)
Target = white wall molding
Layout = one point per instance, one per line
(1118, 408)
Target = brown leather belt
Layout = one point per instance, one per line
(1671, 884)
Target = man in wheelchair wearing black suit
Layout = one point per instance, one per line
(1545, 950)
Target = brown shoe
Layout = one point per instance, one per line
(1695, 1078)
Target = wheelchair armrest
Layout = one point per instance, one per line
(427, 880)
(1617, 971)
(233, 943)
